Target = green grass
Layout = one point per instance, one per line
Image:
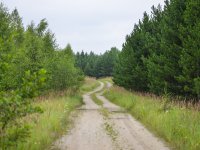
(90, 84)
(179, 126)
(47, 127)
(96, 100)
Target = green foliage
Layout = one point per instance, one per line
(16, 105)
(190, 55)
(53, 123)
(162, 52)
(30, 63)
(63, 72)
(131, 71)
(97, 65)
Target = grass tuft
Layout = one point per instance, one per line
(96, 100)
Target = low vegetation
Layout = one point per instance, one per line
(50, 125)
(96, 100)
(90, 84)
(178, 125)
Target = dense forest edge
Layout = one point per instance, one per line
(98, 66)
(162, 53)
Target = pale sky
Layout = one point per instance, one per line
(89, 25)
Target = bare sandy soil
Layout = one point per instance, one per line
(107, 128)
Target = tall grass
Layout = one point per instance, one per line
(54, 122)
(179, 126)
(47, 127)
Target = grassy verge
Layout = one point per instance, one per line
(179, 126)
(47, 127)
(54, 122)
(90, 84)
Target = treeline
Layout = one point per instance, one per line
(162, 54)
(94, 65)
(30, 63)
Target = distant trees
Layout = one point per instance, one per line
(97, 65)
(30, 62)
(162, 54)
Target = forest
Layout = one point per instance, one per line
(98, 66)
(161, 55)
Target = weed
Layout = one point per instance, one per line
(110, 131)
(104, 112)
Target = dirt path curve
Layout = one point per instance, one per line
(116, 130)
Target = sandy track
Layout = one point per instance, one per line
(89, 132)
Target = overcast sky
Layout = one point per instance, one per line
(89, 25)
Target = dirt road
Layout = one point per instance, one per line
(107, 128)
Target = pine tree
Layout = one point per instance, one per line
(190, 56)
